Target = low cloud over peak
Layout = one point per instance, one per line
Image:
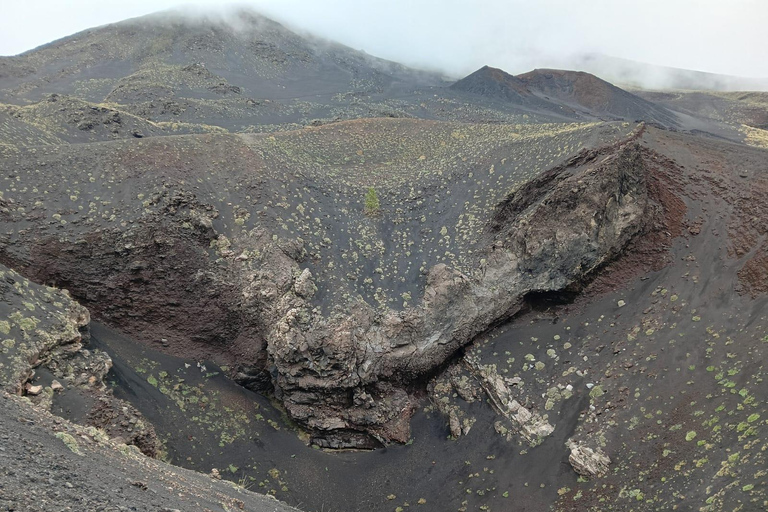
(458, 36)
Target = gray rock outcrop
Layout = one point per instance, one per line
(586, 461)
(39, 324)
(43, 327)
(529, 424)
(341, 375)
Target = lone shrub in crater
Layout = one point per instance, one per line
(372, 205)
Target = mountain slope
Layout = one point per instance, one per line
(244, 72)
(494, 83)
(81, 468)
(586, 91)
(257, 56)
(649, 76)
(747, 108)
(568, 93)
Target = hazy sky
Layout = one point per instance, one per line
(458, 36)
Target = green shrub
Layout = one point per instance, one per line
(372, 205)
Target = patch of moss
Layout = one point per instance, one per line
(70, 442)
(596, 392)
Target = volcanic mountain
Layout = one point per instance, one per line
(208, 57)
(588, 92)
(568, 93)
(244, 249)
(200, 73)
(494, 83)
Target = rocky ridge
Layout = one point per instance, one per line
(41, 325)
(543, 241)
(45, 354)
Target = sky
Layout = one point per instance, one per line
(459, 36)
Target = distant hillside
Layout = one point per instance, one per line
(650, 76)
(494, 83)
(742, 108)
(583, 90)
(208, 56)
(571, 93)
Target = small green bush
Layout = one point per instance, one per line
(372, 205)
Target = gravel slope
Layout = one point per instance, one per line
(49, 464)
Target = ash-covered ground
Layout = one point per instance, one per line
(358, 286)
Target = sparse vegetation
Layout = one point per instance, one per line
(316, 231)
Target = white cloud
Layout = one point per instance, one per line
(459, 36)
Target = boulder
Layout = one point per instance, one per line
(33, 390)
(586, 461)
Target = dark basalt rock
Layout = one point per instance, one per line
(568, 228)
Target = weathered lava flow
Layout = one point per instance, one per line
(174, 273)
